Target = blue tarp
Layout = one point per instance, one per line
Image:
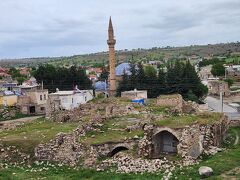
(139, 101)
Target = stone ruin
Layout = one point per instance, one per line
(189, 142)
(179, 105)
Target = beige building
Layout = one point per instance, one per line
(135, 94)
(8, 100)
(33, 101)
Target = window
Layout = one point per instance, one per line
(42, 108)
(40, 97)
(45, 97)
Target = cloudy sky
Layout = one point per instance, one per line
(34, 28)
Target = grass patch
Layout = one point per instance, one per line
(67, 173)
(181, 121)
(158, 109)
(29, 135)
(109, 136)
(112, 131)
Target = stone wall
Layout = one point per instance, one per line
(174, 100)
(177, 104)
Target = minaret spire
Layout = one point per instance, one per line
(112, 59)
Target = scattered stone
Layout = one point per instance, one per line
(205, 171)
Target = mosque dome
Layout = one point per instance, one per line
(123, 67)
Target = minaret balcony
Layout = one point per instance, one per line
(111, 42)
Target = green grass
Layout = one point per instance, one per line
(29, 135)
(66, 173)
(109, 136)
(158, 109)
(181, 121)
(113, 131)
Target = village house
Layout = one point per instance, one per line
(33, 101)
(233, 71)
(24, 71)
(4, 72)
(30, 84)
(68, 100)
(216, 86)
(92, 70)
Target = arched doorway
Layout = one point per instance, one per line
(117, 150)
(164, 142)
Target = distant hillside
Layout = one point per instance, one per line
(155, 53)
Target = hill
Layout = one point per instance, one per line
(155, 53)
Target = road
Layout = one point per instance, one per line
(215, 105)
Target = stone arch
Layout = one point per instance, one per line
(165, 141)
(143, 126)
(117, 150)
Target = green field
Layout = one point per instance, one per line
(184, 120)
(28, 136)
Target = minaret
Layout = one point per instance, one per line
(112, 59)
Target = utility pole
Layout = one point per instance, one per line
(225, 73)
(105, 87)
(221, 101)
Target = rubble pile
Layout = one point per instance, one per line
(12, 155)
(8, 113)
(125, 163)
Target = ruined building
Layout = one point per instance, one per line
(112, 59)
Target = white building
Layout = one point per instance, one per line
(68, 100)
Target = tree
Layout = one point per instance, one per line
(62, 78)
(174, 77)
(180, 78)
(229, 81)
(133, 77)
(161, 81)
(15, 73)
(104, 74)
(123, 84)
(140, 74)
(218, 69)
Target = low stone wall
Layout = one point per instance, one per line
(235, 123)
